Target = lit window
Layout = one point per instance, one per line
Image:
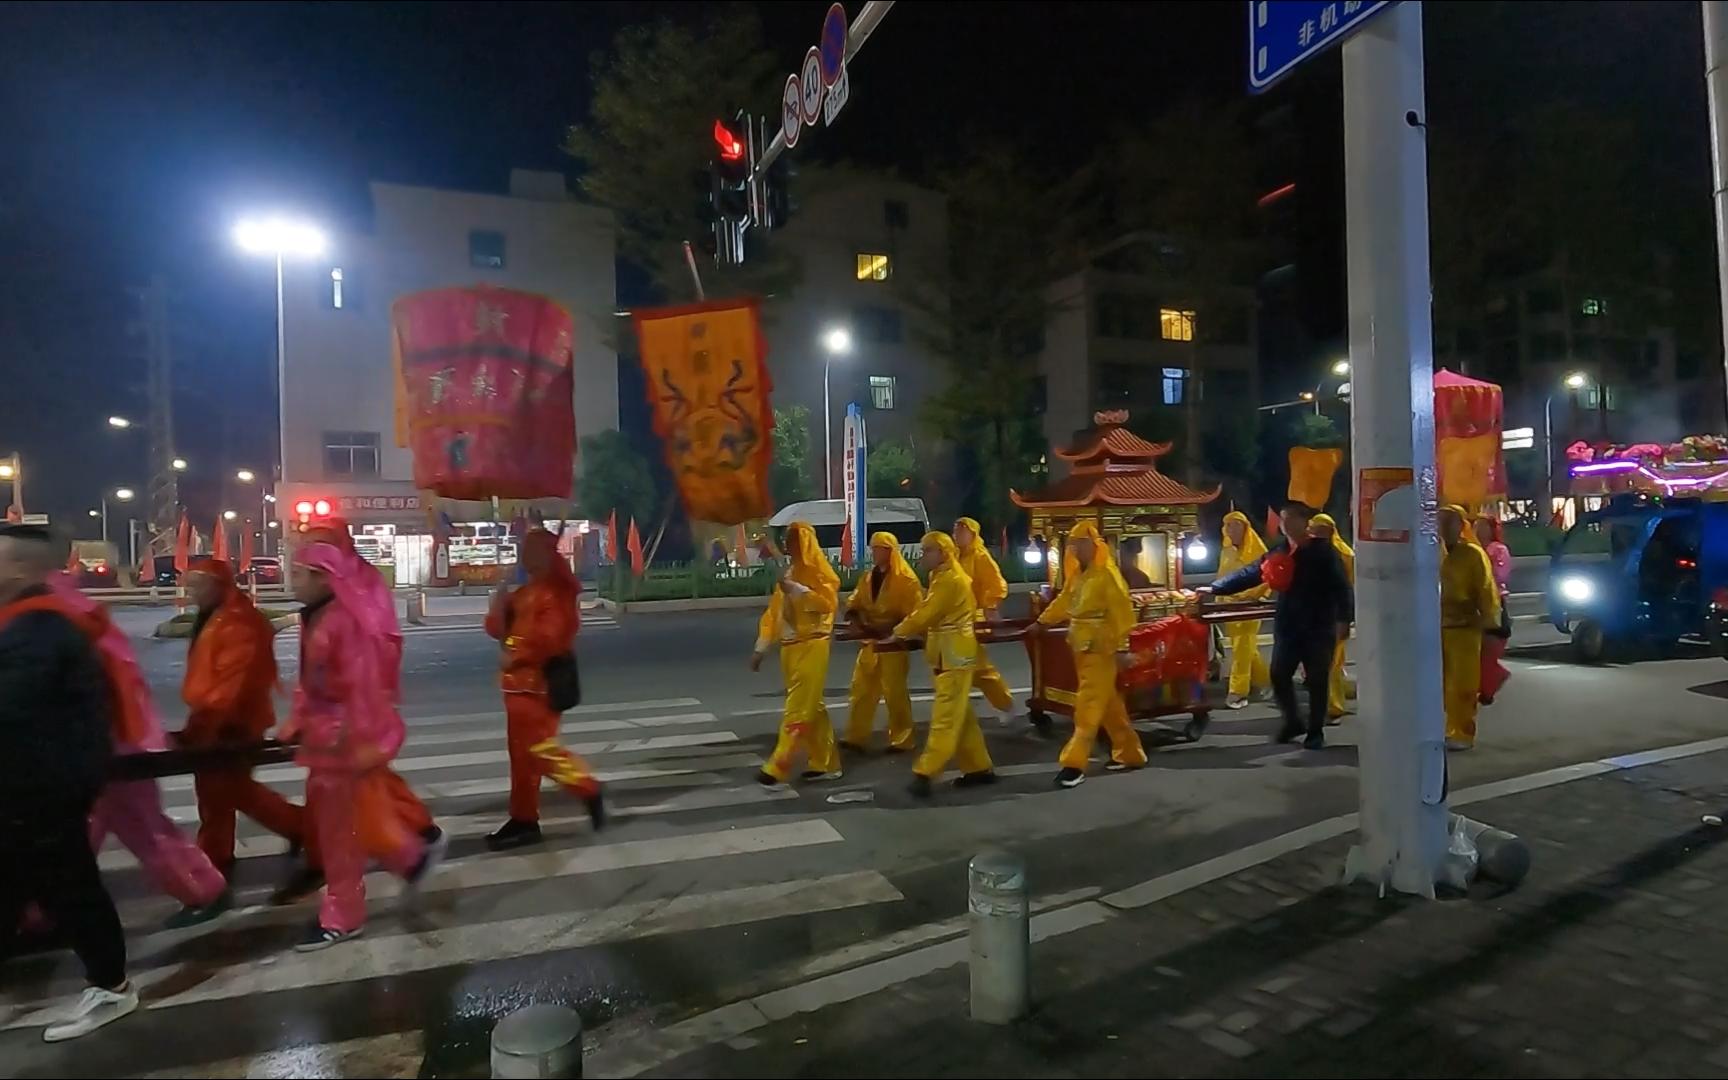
(1174, 325)
(1594, 305)
(872, 267)
(1174, 377)
(336, 287)
(882, 391)
(486, 249)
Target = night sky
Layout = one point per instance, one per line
(135, 134)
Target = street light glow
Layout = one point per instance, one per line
(124, 494)
(837, 340)
(229, 515)
(245, 476)
(1307, 395)
(94, 513)
(1341, 368)
(1576, 380)
(119, 422)
(8, 470)
(279, 236)
(178, 464)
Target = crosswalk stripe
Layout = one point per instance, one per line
(422, 763)
(448, 719)
(460, 825)
(403, 953)
(572, 727)
(842, 704)
(397, 1054)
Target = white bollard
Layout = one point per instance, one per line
(414, 610)
(1000, 936)
(540, 1042)
(1500, 856)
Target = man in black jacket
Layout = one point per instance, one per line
(1314, 613)
(54, 755)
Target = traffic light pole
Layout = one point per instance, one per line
(856, 35)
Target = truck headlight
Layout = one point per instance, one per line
(1577, 590)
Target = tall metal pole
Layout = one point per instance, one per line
(827, 432)
(281, 381)
(1716, 84)
(1403, 760)
(104, 519)
(1548, 456)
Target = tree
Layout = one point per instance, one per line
(791, 478)
(649, 135)
(985, 313)
(893, 470)
(616, 477)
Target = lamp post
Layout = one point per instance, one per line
(837, 341)
(1574, 380)
(124, 494)
(279, 237)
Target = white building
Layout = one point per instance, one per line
(338, 405)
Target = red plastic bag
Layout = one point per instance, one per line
(1171, 649)
(1277, 570)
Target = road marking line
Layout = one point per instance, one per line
(440, 720)
(474, 943)
(410, 762)
(577, 727)
(842, 704)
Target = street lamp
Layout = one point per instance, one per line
(230, 515)
(178, 464)
(836, 341)
(1573, 380)
(279, 237)
(245, 476)
(119, 422)
(1341, 368)
(12, 471)
(124, 494)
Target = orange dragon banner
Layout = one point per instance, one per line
(708, 387)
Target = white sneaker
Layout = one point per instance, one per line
(96, 1008)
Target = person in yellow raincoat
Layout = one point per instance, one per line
(944, 620)
(1240, 547)
(989, 589)
(883, 597)
(1469, 605)
(1337, 688)
(800, 619)
(1094, 602)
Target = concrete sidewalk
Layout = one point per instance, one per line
(1607, 962)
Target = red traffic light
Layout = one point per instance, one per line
(321, 507)
(730, 145)
(303, 507)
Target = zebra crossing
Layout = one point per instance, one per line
(694, 843)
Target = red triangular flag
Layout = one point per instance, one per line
(219, 542)
(183, 545)
(634, 543)
(73, 563)
(612, 537)
(846, 544)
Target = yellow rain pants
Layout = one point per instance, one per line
(1248, 671)
(1098, 703)
(880, 676)
(954, 731)
(804, 725)
(1461, 680)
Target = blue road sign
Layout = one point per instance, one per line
(833, 45)
(1284, 33)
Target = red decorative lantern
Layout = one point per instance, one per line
(1277, 570)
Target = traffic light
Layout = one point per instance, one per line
(732, 166)
(778, 191)
(308, 513)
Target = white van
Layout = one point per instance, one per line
(905, 518)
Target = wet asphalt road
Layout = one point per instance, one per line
(706, 887)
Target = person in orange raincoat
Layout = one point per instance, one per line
(800, 619)
(230, 679)
(536, 623)
(882, 597)
(406, 807)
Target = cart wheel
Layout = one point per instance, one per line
(1196, 727)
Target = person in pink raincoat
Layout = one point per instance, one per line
(131, 810)
(348, 729)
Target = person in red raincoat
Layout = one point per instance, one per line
(535, 624)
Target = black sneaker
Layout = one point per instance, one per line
(1070, 778)
(193, 916)
(818, 776)
(767, 779)
(981, 778)
(596, 805)
(319, 937)
(1316, 741)
(892, 749)
(1288, 733)
(436, 846)
(302, 884)
(1119, 766)
(514, 834)
(919, 787)
(852, 747)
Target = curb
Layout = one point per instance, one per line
(636, 1051)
